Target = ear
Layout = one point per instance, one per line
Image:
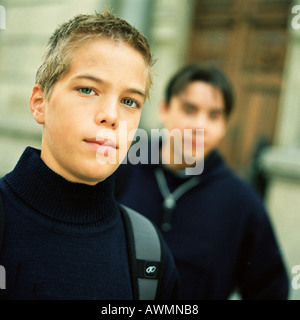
(37, 104)
(162, 111)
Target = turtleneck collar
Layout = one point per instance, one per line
(213, 164)
(53, 196)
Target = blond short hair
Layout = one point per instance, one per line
(77, 32)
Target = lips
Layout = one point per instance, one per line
(105, 142)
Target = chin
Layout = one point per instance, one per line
(92, 181)
(106, 172)
(92, 177)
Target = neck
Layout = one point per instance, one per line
(52, 195)
(174, 160)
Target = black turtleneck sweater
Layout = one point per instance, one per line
(64, 240)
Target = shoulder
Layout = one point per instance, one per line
(242, 189)
(249, 204)
(5, 191)
(150, 247)
(131, 173)
(235, 194)
(222, 177)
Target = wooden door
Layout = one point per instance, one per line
(247, 40)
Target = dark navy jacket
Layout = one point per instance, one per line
(221, 235)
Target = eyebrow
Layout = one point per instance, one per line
(100, 81)
(187, 103)
(190, 104)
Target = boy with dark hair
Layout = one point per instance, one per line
(64, 237)
(215, 225)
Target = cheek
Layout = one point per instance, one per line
(127, 131)
(217, 132)
(62, 126)
(174, 122)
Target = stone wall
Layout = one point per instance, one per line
(281, 162)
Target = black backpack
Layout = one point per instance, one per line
(145, 248)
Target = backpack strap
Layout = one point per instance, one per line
(146, 254)
(1, 222)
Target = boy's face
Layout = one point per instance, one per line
(199, 106)
(105, 86)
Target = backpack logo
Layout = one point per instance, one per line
(150, 270)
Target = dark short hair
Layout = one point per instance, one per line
(206, 73)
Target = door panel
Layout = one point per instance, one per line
(247, 40)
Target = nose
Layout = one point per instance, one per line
(107, 113)
(200, 121)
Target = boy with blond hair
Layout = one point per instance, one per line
(64, 236)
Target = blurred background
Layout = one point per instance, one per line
(255, 42)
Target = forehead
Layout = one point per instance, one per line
(199, 95)
(202, 91)
(114, 60)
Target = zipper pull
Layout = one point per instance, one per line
(169, 205)
(169, 202)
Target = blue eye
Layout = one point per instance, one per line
(130, 103)
(86, 91)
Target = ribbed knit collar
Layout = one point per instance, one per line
(214, 165)
(212, 162)
(52, 195)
